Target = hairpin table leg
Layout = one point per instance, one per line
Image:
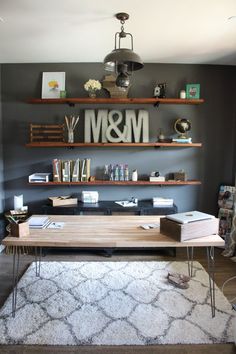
(190, 261)
(15, 274)
(38, 257)
(211, 272)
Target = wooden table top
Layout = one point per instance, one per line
(105, 231)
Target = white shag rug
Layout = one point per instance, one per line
(114, 303)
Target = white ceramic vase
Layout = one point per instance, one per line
(135, 175)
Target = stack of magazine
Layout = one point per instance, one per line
(71, 170)
(38, 222)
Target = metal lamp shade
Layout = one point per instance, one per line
(123, 55)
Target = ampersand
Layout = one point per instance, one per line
(113, 126)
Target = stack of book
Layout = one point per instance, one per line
(182, 140)
(71, 170)
(38, 222)
(162, 202)
(39, 177)
(157, 179)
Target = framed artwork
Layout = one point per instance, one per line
(52, 84)
(193, 91)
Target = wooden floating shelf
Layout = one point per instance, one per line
(61, 144)
(119, 183)
(87, 100)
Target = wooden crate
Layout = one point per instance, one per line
(184, 232)
(47, 133)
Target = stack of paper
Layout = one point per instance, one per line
(38, 222)
(162, 202)
(39, 177)
(127, 203)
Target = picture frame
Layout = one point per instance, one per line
(193, 91)
(52, 84)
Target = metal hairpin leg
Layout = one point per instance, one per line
(38, 257)
(211, 272)
(15, 274)
(190, 261)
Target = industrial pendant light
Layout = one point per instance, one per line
(122, 79)
(122, 60)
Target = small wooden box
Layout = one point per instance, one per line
(20, 230)
(184, 232)
(180, 176)
(60, 201)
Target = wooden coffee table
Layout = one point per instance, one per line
(116, 231)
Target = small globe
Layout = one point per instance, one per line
(182, 126)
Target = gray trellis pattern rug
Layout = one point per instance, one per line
(114, 303)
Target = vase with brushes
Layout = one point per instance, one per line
(92, 86)
(71, 123)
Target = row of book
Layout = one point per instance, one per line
(71, 170)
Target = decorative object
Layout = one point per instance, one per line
(180, 176)
(90, 197)
(137, 125)
(93, 125)
(47, 133)
(114, 127)
(106, 176)
(92, 86)
(126, 172)
(109, 84)
(18, 202)
(71, 123)
(160, 90)
(182, 127)
(161, 136)
(155, 174)
(63, 94)
(122, 61)
(108, 126)
(52, 84)
(63, 200)
(150, 311)
(182, 94)
(118, 172)
(135, 175)
(193, 91)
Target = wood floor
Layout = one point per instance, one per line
(225, 269)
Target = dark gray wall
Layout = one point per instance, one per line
(212, 124)
(2, 195)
